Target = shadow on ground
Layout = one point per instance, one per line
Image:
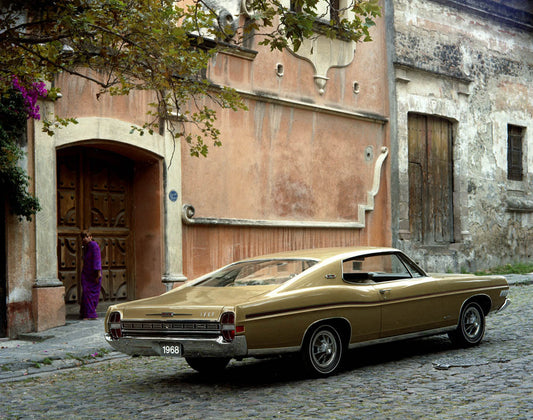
(281, 370)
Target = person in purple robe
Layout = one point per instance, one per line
(91, 277)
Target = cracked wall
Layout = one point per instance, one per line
(475, 70)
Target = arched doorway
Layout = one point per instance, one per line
(95, 191)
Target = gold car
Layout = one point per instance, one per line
(318, 303)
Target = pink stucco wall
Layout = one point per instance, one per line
(283, 161)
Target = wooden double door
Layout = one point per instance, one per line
(94, 191)
(431, 180)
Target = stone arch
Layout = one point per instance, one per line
(148, 155)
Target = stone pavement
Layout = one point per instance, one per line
(72, 345)
(420, 379)
(78, 343)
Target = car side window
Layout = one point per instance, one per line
(375, 268)
(415, 271)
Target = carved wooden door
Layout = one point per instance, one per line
(94, 192)
(430, 180)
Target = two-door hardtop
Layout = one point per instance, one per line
(317, 302)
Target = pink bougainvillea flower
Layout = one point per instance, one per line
(31, 95)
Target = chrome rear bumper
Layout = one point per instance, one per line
(505, 305)
(191, 347)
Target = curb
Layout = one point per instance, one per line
(519, 279)
(38, 368)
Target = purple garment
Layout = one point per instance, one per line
(90, 284)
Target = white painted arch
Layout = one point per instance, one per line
(102, 132)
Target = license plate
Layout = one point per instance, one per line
(170, 349)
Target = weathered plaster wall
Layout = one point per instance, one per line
(20, 266)
(105, 122)
(20, 261)
(281, 163)
(478, 73)
(35, 295)
(304, 152)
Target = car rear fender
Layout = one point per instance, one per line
(342, 325)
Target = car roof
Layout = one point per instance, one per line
(321, 254)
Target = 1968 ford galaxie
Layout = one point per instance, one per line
(317, 303)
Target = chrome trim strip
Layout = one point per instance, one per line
(390, 339)
(299, 309)
(273, 351)
(295, 349)
(505, 305)
(468, 300)
(138, 328)
(326, 321)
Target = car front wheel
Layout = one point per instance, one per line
(208, 364)
(322, 351)
(471, 326)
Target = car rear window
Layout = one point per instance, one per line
(257, 273)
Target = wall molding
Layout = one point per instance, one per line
(311, 107)
(188, 211)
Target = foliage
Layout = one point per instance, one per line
(163, 46)
(517, 268)
(304, 19)
(30, 95)
(14, 181)
(101, 352)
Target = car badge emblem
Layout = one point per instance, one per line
(168, 314)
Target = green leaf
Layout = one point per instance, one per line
(153, 45)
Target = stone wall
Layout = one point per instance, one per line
(472, 64)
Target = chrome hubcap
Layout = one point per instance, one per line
(472, 322)
(324, 349)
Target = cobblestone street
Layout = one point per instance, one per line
(424, 378)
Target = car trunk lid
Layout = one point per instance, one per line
(205, 303)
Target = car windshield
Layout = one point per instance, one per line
(257, 273)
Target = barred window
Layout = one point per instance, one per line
(296, 6)
(328, 11)
(334, 12)
(515, 136)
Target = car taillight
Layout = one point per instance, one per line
(115, 329)
(227, 326)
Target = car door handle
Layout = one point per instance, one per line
(383, 291)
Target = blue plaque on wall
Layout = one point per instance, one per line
(173, 195)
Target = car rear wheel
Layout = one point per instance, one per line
(208, 364)
(471, 326)
(322, 351)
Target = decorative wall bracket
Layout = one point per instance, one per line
(323, 53)
(188, 210)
